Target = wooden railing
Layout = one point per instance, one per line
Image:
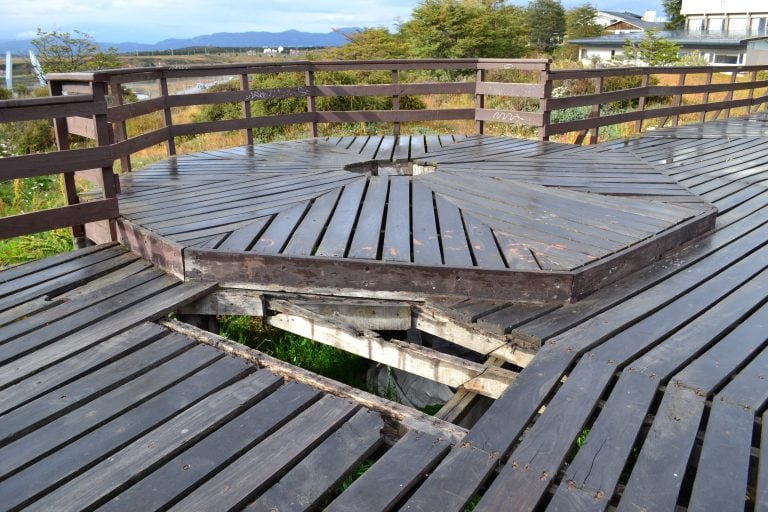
(97, 161)
(656, 101)
(497, 93)
(468, 79)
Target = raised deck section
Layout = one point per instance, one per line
(481, 216)
(648, 394)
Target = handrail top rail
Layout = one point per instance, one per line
(46, 101)
(652, 70)
(104, 75)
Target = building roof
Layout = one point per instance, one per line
(682, 37)
(633, 19)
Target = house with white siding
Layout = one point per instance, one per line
(724, 32)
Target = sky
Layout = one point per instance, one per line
(150, 21)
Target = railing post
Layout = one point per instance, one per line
(729, 96)
(245, 86)
(121, 133)
(641, 103)
(751, 96)
(594, 133)
(395, 102)
(110, 185)
(61, 131)
(479, 102)
(705, 98)
(678, 99)
(546, 81)
(310, 82)
(170, 144)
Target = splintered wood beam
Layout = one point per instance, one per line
(358, 313)
(422, 361)
(406, 417)
(455, 408)
(509, 348)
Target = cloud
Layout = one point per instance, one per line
(151, 21)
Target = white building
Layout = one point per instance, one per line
(748, 17)
(724, 32)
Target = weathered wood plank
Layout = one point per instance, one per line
(196, 464)
(321, 472)
(263, 465)
(36, 480)
(96, 484)
(392, 476)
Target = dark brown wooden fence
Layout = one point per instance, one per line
(525, 93)
(97, 160)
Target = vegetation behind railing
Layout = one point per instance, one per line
(495, 95)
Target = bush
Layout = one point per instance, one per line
(292, 105)
(5, 94)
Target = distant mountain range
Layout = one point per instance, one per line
(289, 38)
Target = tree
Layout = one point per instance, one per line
(675, 20)
(370, 43)
(547, 21)
(652, 50)
(62, 52)
(580, 22)
(465, 29)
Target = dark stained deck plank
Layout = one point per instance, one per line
(276, 236)
(365, 242)
(338, 233)
(263, 465)
(305, 238)
(385, 483)
(87, 361)
(72, 395)
(72, 323)
(149, 309)
(243, 238)
(321, 472)
(426, 239)
(453, 236)
(74, 305)
(63, 429)
(485, 252)
(99, 481)
(397, 228)
(39, 479)
(190, 468)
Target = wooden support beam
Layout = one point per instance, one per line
(455, 408)
(371, 314)
(422, 361)
(506, 347)
(406, 417)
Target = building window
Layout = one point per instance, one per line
(726, 59)
(695, 24)
(737, 24)
(758, 26)
(715, 24)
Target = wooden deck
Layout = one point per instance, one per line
(103, 409)
(480, 216)
(647, 394)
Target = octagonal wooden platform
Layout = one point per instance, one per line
(483, 216)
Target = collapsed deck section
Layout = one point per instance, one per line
(484, 216)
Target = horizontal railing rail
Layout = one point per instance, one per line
(651, 101)
(526, 95)
(66, 162)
